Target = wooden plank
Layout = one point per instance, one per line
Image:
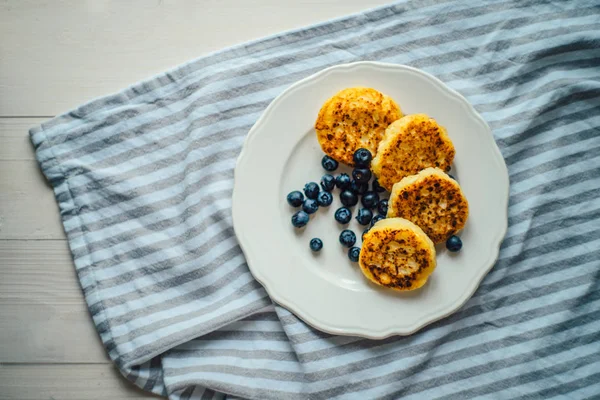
(66, 382)
(38, 271)
(43, 314)
(14, 138)
(48, 333)
(28, 209)
(57, 55)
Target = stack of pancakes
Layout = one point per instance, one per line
(412, 155)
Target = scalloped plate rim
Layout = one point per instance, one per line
(363, 331)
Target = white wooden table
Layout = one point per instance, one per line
(54, 56)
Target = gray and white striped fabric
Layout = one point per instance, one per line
(144, 177)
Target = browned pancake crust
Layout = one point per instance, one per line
(352, 119)
(433, 201)
(410, 144)
(397, 254)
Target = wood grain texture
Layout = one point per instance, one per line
(56, 55)
(38, 271)
(28, 209)
(44, 316)
(48, 333)
(14, 138)
(66, 382)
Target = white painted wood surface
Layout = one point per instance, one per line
(55, 55)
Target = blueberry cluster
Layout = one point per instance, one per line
(353, 190)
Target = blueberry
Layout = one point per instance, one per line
(376, 219)
(364, 233)
(452, 176)
(377, 187)
(324, 199)
(382, 207)
(347, 238)
(454, 243)
(348, 198)
(300, 219)
(310, 206)
(311, 190)
(295, 198)
(361, 175)
(343, 215)
(354, 253)
(316, 244)
(342, 181)
(329, 163)
(359, 188)
(327, 182)
(362, 158)
(370, 200)
(364, 216)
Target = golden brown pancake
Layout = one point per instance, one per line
(433, 201)
(410, 144)
(352, 119)
(397, 254)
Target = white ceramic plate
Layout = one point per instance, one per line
(325, 289)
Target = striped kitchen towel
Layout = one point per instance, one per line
(144, 179)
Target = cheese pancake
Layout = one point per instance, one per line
(433, 201)
(410, 144)
(397, 254)
(352, 119)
